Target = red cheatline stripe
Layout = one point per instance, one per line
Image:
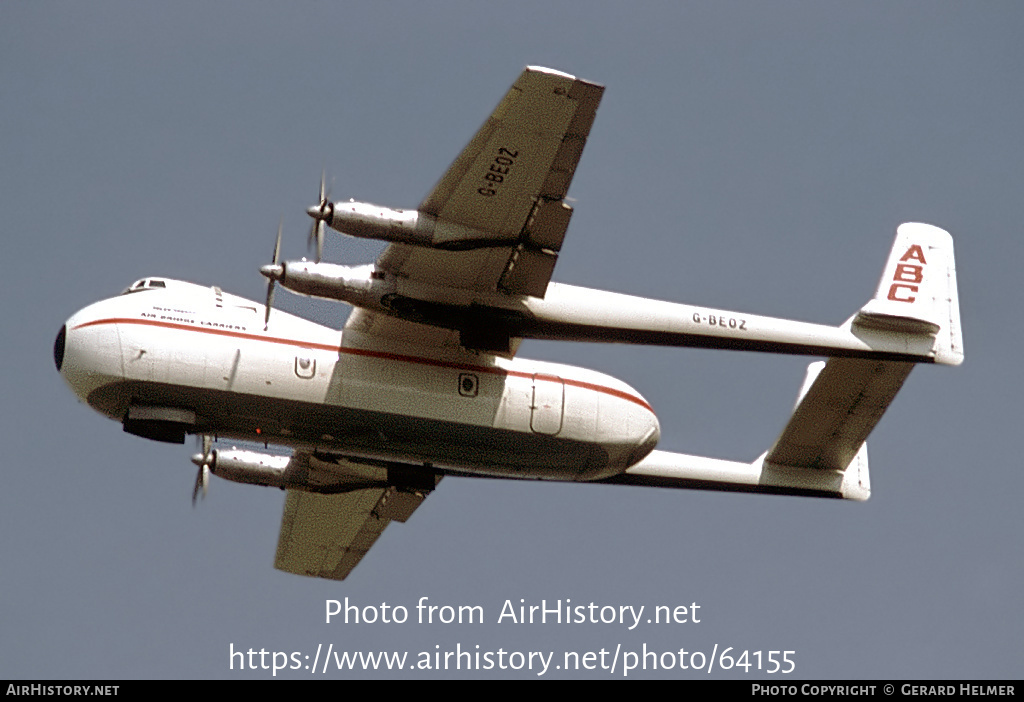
(368, 353)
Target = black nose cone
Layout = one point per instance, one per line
(58, 347)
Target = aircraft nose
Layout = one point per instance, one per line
(58, 347)
(87, 352)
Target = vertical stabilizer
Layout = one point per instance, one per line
(917, 294)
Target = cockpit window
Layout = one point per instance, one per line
(144, 284)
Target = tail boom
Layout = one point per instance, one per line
(913, 317)
(679, 470)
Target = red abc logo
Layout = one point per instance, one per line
(908, 275)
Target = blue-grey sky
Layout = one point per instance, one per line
(747, 156)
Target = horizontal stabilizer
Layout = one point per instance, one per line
(822, 450)
(843, 400)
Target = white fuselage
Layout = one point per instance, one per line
(202, 359)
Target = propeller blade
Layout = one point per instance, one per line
(277, 244)
(316, 239)
(202, 480)
(319, 213)
(319, 240)
(203, 460)
(271, 281)
(270, 302)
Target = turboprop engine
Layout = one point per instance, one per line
(309, 473)
(400, 491)
(367, 221)
(249, 467)
(352, 284)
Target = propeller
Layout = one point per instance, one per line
(204, 460)
(273, 272)
(319, 213)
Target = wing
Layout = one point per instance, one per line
(382, 332)
(326, 535)
(509, 183)
(371, 328)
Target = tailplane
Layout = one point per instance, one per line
(822, 451)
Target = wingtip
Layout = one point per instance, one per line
(550, 71)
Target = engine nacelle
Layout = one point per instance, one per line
(352, 284)
(307, 473)
(251, 467)
(368, 221)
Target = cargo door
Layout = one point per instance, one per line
(548, 402)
